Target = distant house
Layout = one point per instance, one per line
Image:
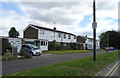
(43, 33)
(89, 43)
(81, 40)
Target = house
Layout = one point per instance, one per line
(43, 33)
(89, 43)
(81, 40)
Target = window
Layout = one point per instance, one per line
(59, 35)
(28, 47)
(74, 37)
(64, 36)
(42, 42)
(69, 37)
(53, 34)
(46, 43)
(41, 31)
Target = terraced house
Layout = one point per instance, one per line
(43, 34)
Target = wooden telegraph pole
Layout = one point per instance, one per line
(94, 26)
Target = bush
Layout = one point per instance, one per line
(24, 54)
(53, 46)
(8, 56)
(5, 46)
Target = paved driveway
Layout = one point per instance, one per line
(39, 61)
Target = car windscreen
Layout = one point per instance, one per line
(34, 47)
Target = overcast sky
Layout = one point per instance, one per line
(72, 17)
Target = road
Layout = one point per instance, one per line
(39, 61)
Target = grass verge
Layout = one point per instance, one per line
(66, 51)
(79, 67)
(0, 58)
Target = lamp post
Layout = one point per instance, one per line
(94, 26)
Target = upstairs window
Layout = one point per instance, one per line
(53, 34)
(41, 31)
(74, 37)
(64, 36)
(69, 37)
(59, 35)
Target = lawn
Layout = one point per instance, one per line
(66, 51)
(79, 67)
(0, 58)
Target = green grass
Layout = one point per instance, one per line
(101, 50)
(66, 51)
(0, 58)
(79, 67)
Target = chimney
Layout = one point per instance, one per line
(54, 28)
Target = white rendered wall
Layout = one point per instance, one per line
(48, 36)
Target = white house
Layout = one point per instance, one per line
(38, 32)
(89, 43)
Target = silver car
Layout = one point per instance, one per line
(34, 50)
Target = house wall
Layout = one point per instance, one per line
(16, 42)
(80, 39)
(51, 35)
(31, 33)
(89, 44)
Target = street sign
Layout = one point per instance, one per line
(94, 25)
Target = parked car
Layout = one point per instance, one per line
(111, 48)
(34, 50)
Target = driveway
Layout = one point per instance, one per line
(39, 61)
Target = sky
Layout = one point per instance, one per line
(73, 17)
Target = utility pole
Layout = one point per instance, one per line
(94, 26)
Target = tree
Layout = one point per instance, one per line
(13, 33)
(110, 39)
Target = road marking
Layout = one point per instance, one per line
(114, 71)
(111, 69)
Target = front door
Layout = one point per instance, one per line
(37, 43)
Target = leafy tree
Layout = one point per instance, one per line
(13, 33)
(110, 39)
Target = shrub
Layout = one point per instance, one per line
(8, 56)
(5, 45)
(53, 46)
(24, 54)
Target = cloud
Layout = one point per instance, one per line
(66, 15)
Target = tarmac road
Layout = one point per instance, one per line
(39, 61)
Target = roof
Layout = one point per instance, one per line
(39, 27)
(81, 36)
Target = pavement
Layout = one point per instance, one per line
(112, 70)
(19, 65)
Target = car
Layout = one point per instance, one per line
(34, 50)
(111, 48)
